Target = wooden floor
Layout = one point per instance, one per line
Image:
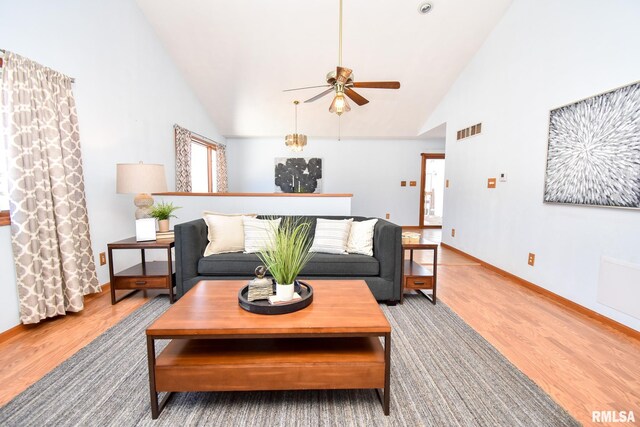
(583, 364)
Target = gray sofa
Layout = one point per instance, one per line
(382, 272)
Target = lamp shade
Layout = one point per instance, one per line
(137, 178)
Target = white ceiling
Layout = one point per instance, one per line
(239, 55)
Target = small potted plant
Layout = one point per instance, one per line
(162, 212)
(287, 255)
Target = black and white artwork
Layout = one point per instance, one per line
(594, 151)
(298, 175)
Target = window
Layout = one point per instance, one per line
(201, 164)
(204, 167)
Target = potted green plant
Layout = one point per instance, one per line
(162, 212)
(287, 255)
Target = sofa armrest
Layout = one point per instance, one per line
(191, 240)
(387, 249)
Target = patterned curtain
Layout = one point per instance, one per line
(49, 224)
(221, 157)
(183, 159)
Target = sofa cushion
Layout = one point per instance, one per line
(341, 265)
(236, 263)
(240, 264)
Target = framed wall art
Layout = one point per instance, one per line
(593, 155)
(298, 175)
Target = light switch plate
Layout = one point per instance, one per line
(503, 177)
(491, 183)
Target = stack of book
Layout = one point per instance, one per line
(274, 300)
(164, 235)
(409, 237)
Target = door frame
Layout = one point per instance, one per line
(423, 172)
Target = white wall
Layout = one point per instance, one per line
(128, 93)
(369, 169)
(9, 301)
(542, 55)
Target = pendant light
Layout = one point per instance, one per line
(296, 141)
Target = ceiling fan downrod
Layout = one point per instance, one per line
(340, 37)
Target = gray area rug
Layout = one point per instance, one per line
(443, 374)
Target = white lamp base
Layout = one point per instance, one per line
(143, 202)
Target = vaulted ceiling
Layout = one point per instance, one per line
(239, 55)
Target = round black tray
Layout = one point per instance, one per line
(264, 307)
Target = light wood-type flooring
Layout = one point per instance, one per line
(583, 364)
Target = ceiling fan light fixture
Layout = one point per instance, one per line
(339, 104)
(296, 141)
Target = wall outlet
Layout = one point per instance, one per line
(453, 232)
(103, 258)
(446, 184)
(532, 259)
(403, 183)
(388, 216)
(412, 183)
(491, 183)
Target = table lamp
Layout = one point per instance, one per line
(141, 179)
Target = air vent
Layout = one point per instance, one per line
(470, 131)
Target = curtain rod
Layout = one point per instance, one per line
(73, 80)
(206, 138)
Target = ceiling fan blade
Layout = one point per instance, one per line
(343, 74)
(378, 85)
(356, 97)
(306, 87)
(320, 95)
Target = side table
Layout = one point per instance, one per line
(415, 276)
(146, 275)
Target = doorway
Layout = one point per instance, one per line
(432, 190)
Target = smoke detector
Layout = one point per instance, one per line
(425, 8)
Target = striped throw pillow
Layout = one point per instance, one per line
(259, 234)
(331, 236)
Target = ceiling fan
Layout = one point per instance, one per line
(341, 82)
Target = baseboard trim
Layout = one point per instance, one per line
(552, 296)
(10, 333)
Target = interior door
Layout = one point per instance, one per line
(432, 190)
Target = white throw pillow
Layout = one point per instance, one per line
(259, 234)
(361, 237)
(331, 236)
(225, 233)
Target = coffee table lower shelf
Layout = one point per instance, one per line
(269, 364)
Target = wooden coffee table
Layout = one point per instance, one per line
(217, 346)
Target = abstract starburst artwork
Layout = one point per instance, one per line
(594, 151)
